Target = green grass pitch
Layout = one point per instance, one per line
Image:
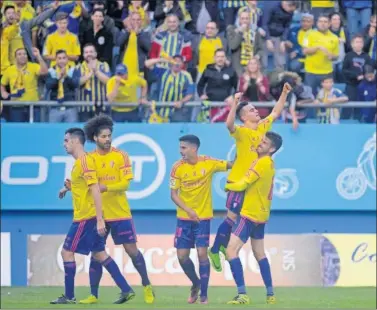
(175, 298)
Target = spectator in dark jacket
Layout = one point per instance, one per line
(217, 84)
(62, 82)
(358, 14)
(99, 36)
(276, 22)
(165, 8)
(201, 12)
(370, 38)
(367, 92)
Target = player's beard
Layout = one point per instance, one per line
(105, 146)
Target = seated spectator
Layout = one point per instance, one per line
(62, 39)
(122, 88)
(22, 80)
(62, 82)
(322, 7)
(134, 45)
(296, 42)
(136, 7)
(321, 48)
(370, 38)
(244, 43)
(100, 37)
(255, 86)
(176, 86)
(367, 92)
(276, 22)
(94, 76)
(329, 95)
(358, 14)
(337, 28)
(166, 8)
(230, 9)
(218, 83)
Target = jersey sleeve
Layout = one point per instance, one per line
(5, 78)
(265, 124)
(89, 170)
(237, 134)
(110, 85)
(76, 49)
(47, 50)
(141, 82)
(36, 68)
(254, 173)
(175, 179)
(126, 167)
(218, 165)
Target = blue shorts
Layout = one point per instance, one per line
(245, 228)
(122, 231)
(234, 201)
(83, 238)
(190, 234)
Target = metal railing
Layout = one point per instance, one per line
(264, 104)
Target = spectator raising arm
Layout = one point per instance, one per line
(44, 69)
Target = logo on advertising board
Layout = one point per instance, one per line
(295, 261)
(349, 260)
(5, 260)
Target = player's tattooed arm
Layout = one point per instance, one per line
(180, 204)
(231, 119)
(279, 106)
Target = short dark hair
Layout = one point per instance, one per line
(190, 139)
(9, 7)
(100, 3)
(240, 106)
(220, 50)
(357, 36)
(98, 10)
(58, 52)
(328, 77)
(89, 44)
(276, 139)
(21, 48)
(77, 132)
(323, 16)
(294, 3)
(93, 127)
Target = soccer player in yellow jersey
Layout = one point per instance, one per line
(190, 183)
(257, 184)
(87, 231)
(114, 173)
(247, 137)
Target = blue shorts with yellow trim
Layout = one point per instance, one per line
(190, 234)
(83, 238)
(246, 228)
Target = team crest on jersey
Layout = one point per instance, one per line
(203, 172)
(103, 165)
(112, 164)
(185, 175)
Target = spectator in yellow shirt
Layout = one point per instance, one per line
(62, 39)
(22, 79)
(320, 48)
(122, 88)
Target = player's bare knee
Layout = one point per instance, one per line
(258, 249)
(100, 256)
(202, 254)
(67, 256)
(131, 249)
(232, 216)
(182, 255)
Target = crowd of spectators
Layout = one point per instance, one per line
(106, 53)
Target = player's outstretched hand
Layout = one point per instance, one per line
(237, 97)
(62, 193)
(101, 227)
(193, 216)
(287, 88)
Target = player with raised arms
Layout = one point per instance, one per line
(114, 172)
(87, 231)
(191, 191)
(247, 137)
(257, 186)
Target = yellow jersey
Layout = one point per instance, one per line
(323, 3)
(115, 171)
(194, 184)
(27, 12)
(8, 34)
(29, 79)
(247, 141)
(207, 49)
(127, 91)
(318, 63)
(82, 176)
(67, 41)
(258, 182)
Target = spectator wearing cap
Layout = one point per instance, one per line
(100, 37)
(62, 39)
(123, 88)
(276, 22)
(94, 76)
(322, 7)
(358, 13)
(134, 45)
(177, 87)
(297, 38)
(245, 42)
(321, 49)
(367, 92)
(63, 80)
(218, 83)
(353, 71)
